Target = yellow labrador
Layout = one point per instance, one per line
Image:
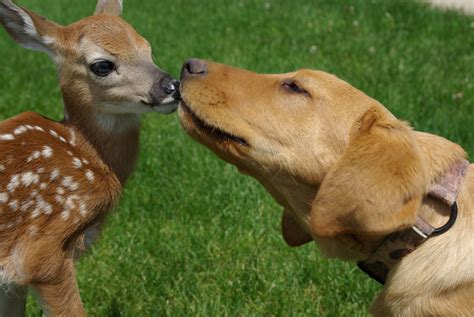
(348, 174)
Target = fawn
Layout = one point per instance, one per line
(58, 180)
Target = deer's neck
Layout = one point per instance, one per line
(115, 137)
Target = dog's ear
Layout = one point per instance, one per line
(292, 232)
(377, 185)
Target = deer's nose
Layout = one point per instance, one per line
(171, 87)
(194, 67)
(164, 89)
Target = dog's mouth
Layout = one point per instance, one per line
(211, 130)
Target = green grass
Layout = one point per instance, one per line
(191, 236)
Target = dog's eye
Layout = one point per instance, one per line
(102, 68)
(293, 87)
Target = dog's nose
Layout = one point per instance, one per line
(193, 67)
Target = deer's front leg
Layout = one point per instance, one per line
(60, 297)
(12, 300)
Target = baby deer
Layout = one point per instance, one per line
(58, 180)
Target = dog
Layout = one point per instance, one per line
(349, 175)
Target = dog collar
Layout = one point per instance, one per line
(401, 243)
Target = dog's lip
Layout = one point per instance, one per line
(210, 129)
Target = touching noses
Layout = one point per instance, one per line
(164, 90)
(171, 87)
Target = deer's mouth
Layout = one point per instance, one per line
(166, 107)
(209, 129)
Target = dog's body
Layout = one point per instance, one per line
(346, 171)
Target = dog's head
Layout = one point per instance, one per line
(313, 141)
(292, 122)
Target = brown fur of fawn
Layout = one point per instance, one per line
(58, 180)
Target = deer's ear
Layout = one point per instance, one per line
(27, 28)
(377, 185)
(110, 7)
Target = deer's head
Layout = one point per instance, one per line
(104, 64)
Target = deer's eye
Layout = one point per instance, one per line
(102, 68)
(293, 86)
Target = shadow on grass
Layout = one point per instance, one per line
(115, 309)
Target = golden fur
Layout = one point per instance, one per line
(345, 170)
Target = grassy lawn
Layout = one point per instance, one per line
(192, 237)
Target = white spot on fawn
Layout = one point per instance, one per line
(20, 130)
(35, 155)
(68, 206)
(26, 205)
(76, 162)
(59, 199)
(29, 127)
(14, 183)
(3, 198)
(82, 208)
(47, 151)
(62, 139)
(54, 174)
(46, 207)
(41, 206)
(54, 133)
(90, 175)
(29, 178)
(65, 214)
(60, 190)
(43, 186)
(73, 138)
(2, 167)
(38, 128)
(40, 170)
(69, 183)
(7, 137)
(85, 161)
(36, 212)
(69, 153)
(14, 205)
(33, 230)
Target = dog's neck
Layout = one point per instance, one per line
(296, 195)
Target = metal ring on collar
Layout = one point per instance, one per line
(450, 223)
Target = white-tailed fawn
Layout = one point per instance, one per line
(58, 180)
